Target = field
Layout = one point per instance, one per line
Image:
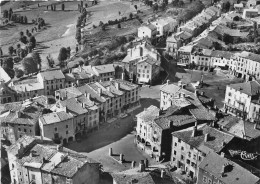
(60, 30)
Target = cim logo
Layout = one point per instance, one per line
(244, 155)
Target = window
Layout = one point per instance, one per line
(182, 148)
(182, 157)
(173, 158)
(67, 132)
(194, 157)
(56, 129)
(179, 140)
(199, 158)
(188, 161)
(175, 144)
(147, 76)
(25, 130)
(174, 152)
(205, 179)
(189, 154)
(67, 126)
(19, 129)
(33, 176)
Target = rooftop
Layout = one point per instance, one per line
(249, 55)
(149, 114)
(151, 175)
(217, 140)
(55, 117)
(234, 174)
(239, 127)
(100, 69)
(250, 88)
(45, 155)
(51, 75)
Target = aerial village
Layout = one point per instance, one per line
(130, 91)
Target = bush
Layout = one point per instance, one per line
(17, 59)
(18, 72)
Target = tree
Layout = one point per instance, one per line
(135, 7)
(37, 59)
(181, 3)
(25, 20)
(32, 40)
(155, 7)
(130, 16)
(101, 23)
(1, 52)
(63, 7)
(68, 52)
(10, 72)
(5, 15)
(104, 27)
(8, 63)
(10, 50)
(18, 72)
(62, 56)
(10, 13)
(78, 35)
(119, 26)
(227, 39)
(227, 6)
(29, 65)
(166, 2)
(86, 5)
(50, 60)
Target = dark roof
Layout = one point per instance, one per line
(235, 174)
(215, 141)
(74, 106)
(249, 55)
(250, 88)
(203, 114)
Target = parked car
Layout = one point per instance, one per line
(123, 115)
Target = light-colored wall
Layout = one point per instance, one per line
(49, 129)
(37, 173)
(144, 31)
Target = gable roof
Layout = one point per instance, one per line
(100, 69)
(213, 163)
(55, 117)
(149, 114)
(250, 88)
(52, 74)
(4, 76)
(215, 141)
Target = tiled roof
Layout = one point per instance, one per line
(249, 55)
(125, 85)
(215, 141)
(219, 54)
(250, 88)
(27, 87)
(150, 60)
(152, 175)
(181, 119)
(62, 162)
(149, 114)
(27, 112)
(112, 86)
(163, 122)
(201, 113)
(213, 163)
(100, 69)
(239, 127)
(93, 93)
(73, 106)
(55, 117)
(72, 164)
(69, 92)
(52, 74)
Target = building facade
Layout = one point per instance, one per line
(189, 147)
(242, 100)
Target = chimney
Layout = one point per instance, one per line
(168, 82)
(255, 126)
(123, 76)
(110, 152)
(146, 163)
(121, 158)
(59, 147)
(196, 92)
(111, 79)
(142, 166)
(88, 96)
(222, 154)
(206, 137)
(108, 88)
(117, 85)
(162, 173)
(21, 149)
(99, 91)
(133, 164)
(194, 132)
